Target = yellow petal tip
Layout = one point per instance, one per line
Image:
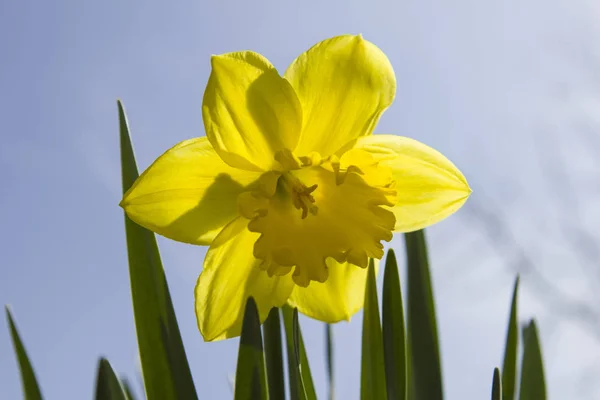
(468, 190)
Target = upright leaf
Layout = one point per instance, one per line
(31, 389)
(297, 356)
(274, 355)
(164, 364)
(127, 388)
(496, 385)
(250, 375)
(108, 386)
(422, 327)
(509, 367)
(329, 353)
(533, 383)
(372, 381)
(296, 337)
(410, 379)
(394, 336)
(300, 378)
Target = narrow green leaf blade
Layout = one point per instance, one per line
(127, 388)
(31, 389)
(108, 386)
(496, 385)
(300, 377)
(422, 327)
(274, 355)
(250, 376)
(394, 336)
(509, 367)
(329, 346)
(410, 384)
(164, 363)
(372, 382)
(296, 338)
(533, 383)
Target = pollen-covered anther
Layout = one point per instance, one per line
(302, 198)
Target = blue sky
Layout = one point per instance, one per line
(499, 87)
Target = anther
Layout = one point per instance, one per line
(302, 198)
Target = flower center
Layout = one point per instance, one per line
(301, 196)
(347, 202)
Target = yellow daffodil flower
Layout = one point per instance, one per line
(289, 188)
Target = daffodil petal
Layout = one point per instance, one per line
(429, 187)
(338, 298)
(344, 84)
(250, 112)
(231, 274)
(188, 194)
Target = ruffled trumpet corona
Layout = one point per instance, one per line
(289, 188)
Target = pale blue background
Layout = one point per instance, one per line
(508, 90)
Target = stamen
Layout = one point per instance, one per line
(302, 197)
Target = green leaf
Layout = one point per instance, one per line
(410, 384)
(329, 345)
(422, 327)
(128, 390)
(274, 355)
(300, 378)
(164, 364)
(250, 376)
(31, 389)
(108, 386)
(296, 337)
(496, 385)
(297, 356)
(509, 367)
(533, 383)
(394, 336)
(372, 377)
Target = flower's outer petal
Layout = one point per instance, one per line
(249, 111)
(188, 194)
(344, 84)
(231, 274)
(429, 187)
(338, 298)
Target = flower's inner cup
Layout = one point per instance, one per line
(337, 207)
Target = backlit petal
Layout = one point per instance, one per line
(429, 187)
(249, 111)
(231, 274)
(188, 194)
(344, 84)
(338, 298)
